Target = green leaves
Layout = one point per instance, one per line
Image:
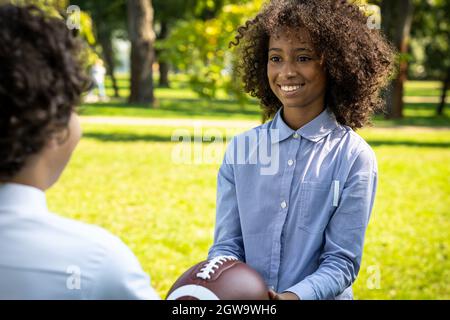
(200, 48)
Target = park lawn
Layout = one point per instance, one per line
(124, 179)
(424, 89)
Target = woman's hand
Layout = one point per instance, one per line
(282, 296)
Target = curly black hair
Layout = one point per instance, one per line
(358, 59)
(41, 81)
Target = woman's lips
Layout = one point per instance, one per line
(290, 90)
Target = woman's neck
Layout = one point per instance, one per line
(296, 118)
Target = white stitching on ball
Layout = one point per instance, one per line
(212, 265)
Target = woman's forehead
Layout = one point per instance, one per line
(292, 36)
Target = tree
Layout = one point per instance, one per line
(108, 17)
(396, 23)
(167, 13)
(431, 28)
(142, 38)
(199, 47)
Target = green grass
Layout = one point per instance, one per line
(123, 178)
(424, 89)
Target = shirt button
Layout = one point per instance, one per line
(284, 205)
(296, 136)
(290, 162)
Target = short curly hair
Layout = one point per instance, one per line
(41, 81)
(358, 59)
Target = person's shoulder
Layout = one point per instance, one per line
(250, 139)
(253, 131)
(115, 268)
(252, 135)
(89, 242)
(357, 150)
(84, 234)
(93, 240)
(354, 142)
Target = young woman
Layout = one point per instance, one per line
(317, 68)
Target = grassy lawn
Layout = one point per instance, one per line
(424, 88)
(123, 178)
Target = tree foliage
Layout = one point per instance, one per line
(431, 34)
(199, 47)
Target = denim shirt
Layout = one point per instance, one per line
(295, 205)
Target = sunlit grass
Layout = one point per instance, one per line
(424, 88)
(124, 179)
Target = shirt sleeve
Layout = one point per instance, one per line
(344, 236)
(121, 276)
(228, 233)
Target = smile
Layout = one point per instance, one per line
(290, 88)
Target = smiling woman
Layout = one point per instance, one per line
(356, 59)
(317, 69)
(296, 75)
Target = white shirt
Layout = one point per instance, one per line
(44, 256)
(98, 73)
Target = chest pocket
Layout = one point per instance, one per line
(315, 206)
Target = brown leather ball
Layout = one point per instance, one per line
(221, 278)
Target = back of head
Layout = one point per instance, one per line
(41, 81)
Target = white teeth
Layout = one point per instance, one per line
(290, 88)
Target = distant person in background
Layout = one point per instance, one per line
(42, 255)
(98, 72)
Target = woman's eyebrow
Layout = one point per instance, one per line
(295, 50)
(276, 49)
(303, 49)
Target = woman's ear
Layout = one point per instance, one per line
(58, 138)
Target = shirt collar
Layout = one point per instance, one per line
(315, 130)
(22, 198)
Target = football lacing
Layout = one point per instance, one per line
(211, 267)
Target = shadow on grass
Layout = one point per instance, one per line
(131, 137)
(174, 107)
(412, 144)
(416, 114)
(126, 137)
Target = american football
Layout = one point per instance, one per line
(221, 278)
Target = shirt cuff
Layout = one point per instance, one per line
(304, 290)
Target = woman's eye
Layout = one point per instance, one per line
(303, 59)
(275, 59)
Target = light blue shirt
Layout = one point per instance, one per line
(300, 218)
(44, 256)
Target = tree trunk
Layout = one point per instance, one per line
(163, 65)
(164, 75)
(445, 87)
(397, 19)
(105, 41)
(142, 37)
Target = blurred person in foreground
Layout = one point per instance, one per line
(42, 255)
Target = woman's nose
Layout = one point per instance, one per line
(288, 70)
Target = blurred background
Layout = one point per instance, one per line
(162, 67)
